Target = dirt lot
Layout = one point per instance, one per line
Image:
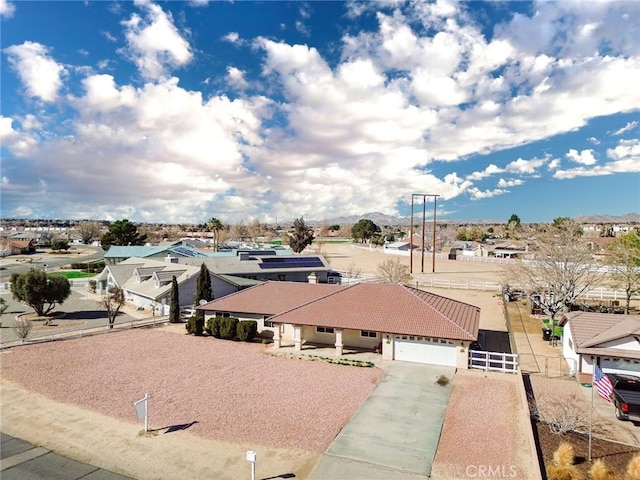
(228, 393)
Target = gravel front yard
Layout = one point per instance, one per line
(231, 390)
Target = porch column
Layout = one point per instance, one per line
(297, 337)
(339, 344)
(387, 346)
(276, 336)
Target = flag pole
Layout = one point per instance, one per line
(593, 386)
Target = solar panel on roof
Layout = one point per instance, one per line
(187, 252)
(291, 262)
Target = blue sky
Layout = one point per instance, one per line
(181, 111)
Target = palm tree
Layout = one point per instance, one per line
(214, 225)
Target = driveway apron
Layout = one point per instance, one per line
(395, 432)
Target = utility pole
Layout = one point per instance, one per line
(424, 205)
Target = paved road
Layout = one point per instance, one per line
(20, 460)
(395, 432)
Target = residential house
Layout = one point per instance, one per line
(119, 253)
(147, 282)
(267, 265)
(612, 340)
(405, 323)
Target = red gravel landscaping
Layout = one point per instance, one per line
(231, 390)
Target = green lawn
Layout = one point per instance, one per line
(557, 330)
(73, 274)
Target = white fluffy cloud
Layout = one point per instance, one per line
(6, 9)
(40, 74)
(585, 157)
(154, 43)
(348, 134)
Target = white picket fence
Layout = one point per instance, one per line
(494, 361)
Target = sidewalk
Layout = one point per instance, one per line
(20, 460)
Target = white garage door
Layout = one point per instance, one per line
(425, 350)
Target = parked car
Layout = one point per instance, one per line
(625, 396)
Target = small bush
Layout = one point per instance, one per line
(563, 472)
(246, 330)
(442, 380)
(92, 286)
(195, 325)
(633, 468)
(213, 326)
(600, 471)
(564, 455)
(228, 326)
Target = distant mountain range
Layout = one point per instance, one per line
(382, 219)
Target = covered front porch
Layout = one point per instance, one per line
(332, 342)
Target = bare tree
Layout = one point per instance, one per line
(353, 271)
(239, 231)
(623, 258)
(255, 230)
(562, 268)
(22, 328)
(113, 302)
(392, 271)
(88, 231)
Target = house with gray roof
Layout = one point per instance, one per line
(119, 253)
(147, 282)
(402, 322)
(266, 265)
(610, 340)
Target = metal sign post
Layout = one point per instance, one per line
(251, 457)
(142, 410)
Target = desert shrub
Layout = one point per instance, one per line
(600, 471)
(442, 380)
(92, 286)
(633, 468)
(560, 415)
(22, 328)
(213, 326)
(228, 327)
(565, 454)
(246, 330)
(195, 325)
(563, 472)
(562, 467)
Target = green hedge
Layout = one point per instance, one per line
(94, 267)
(246, 330)
(228, 326)
(195, 325)
(213, 326)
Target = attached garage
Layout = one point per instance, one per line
(425, 350)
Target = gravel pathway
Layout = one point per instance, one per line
(230, 390)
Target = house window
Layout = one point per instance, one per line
(443, 341)
(324, 330)
(570, 344)
(267, 323)
(368, 333)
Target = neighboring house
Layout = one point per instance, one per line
(407, 323)
(17, 246)
(264, 265)
(509, 249)
(612, 340)
(397, 248)
(147, 282)
(119, 253)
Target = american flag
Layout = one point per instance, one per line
(602, 383)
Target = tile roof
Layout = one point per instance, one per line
(396, 309)
(270, 298)
(590, 330)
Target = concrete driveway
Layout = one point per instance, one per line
(395, 432)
